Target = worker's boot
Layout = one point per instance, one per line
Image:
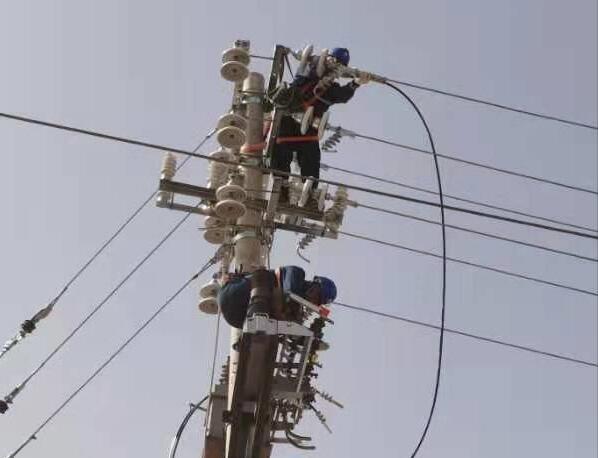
(262, 285)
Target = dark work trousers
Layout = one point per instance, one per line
(308, 156)
(233, 299)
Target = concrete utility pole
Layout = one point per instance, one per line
(248, 248)
(267, 381)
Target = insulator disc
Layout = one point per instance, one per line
(321, 67)
(208, 305)
(322, 196)
(214, 235)
(234, 71)
(323, 124)
(231, 137)
(229, 209)
(306, 120)
(210, 289)
(212, 221)
(235, 55)
(231, 191)
(232, 119)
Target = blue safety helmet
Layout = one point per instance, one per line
(341, 54)
(327, 289)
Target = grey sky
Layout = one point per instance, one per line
(149, 70)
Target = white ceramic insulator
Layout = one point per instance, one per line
(217, 170)
(168, 166)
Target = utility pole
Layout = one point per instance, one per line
(268, 380)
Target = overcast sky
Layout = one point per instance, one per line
(149, 70)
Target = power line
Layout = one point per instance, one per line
(160, 309)
(292, 175)
(49, 308)
(479, 101)
(471, 264)
(16, 391)
(483, 234)
(495, 105)
(471, 336)
(461, 199)
(476, 164)
(444, 258)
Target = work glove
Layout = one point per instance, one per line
(363, 78)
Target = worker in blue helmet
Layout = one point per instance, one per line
(319, 92)
(243, 295)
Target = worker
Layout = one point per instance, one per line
(264, 291)
(290, 139)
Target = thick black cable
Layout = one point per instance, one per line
(175, 441)
(480, 233)
(292, 175)
(10, 397)
(461, 199)
(471, 336)
(444, 259)
(145, 324)
(116, 233)
(495, 105)
(471, 264)
(478, 164)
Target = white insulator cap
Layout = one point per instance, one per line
(168, 166)
(218, 172)
(229, 209)
(305, 55)
(236, 55)
(214, 235)
(208, 305)
(210, 289)
(233, 120)
(321, 67)
(231, 191)
(212, 221)
(322, 125)
(307, 120)
(231, 137)
(234, 71)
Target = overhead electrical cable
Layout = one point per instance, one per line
(476, 164)
(19, 388)
(444, 259)
(496, 105)
(470, 335)
(480, 233)
(467, 98)
(461, 199)
(98, 371)
(266, 170)
(42, 314)
(471, 264)
(177, 437)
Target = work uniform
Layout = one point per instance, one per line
(234, 296)
(307, 146)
